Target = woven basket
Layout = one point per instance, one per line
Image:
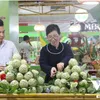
(97, 66)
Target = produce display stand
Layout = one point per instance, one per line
(49, 96)
(36, 67)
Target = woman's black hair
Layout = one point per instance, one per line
(1, 23)
(52, 27)
(26, 37)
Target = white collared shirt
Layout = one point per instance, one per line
(7, 49)
(27, 49)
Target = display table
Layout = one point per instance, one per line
(45, 96)
(36, 67)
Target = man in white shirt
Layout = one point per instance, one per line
(26, 47)
(7, 48)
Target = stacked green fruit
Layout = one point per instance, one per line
(74, 79)
(20, 76)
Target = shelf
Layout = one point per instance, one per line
(50, 96)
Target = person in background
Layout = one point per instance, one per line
(55, 55)
(7, 48)
(26, 48)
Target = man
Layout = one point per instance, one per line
(7, 48)
(26, 48)
(55, 55)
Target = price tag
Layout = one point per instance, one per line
(98, 96)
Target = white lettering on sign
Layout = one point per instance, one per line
(91, 27)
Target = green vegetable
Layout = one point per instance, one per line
(62, 83)
(58, 74)
(74, 76)
(65, 75)
(76, 68)
(73, 90)
(25, 90)
(16, 56)
(19, 76)
(9, 68)
(57, 81)
(23, 83)
(83, 83)
(32, 82)
(82, 90)
(14, 83)
(83, 67)
(9, 76)
(91, 89)
(40, 80)
(23, 61)
(28, 75)
(4, 82)
(6, 88)
(16, 63)
(35, 73)
(32, 90)
(67, 69)
(73, 85)
(63, 90)
(73, 62)
(23, 69)
(83, 75)
(56, 89)
(39, 89)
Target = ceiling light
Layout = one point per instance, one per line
(81, 15)
(91, 3)
(75, 28)
(39, 27)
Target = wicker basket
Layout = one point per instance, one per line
(97, 66)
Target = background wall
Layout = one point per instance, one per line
(9, 14)
(4, 15)
(14, 22)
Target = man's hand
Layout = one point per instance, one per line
(1, 68)
(60, 66)
(53, 72)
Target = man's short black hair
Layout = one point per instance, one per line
(1, 23)
(52, 27)
(26, 37)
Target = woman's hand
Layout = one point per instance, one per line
(53, 72)
(60, 66)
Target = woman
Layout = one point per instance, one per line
(55, 55)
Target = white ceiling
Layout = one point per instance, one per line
(30, 14)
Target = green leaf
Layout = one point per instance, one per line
(12, 89)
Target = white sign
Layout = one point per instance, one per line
(91, 27)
